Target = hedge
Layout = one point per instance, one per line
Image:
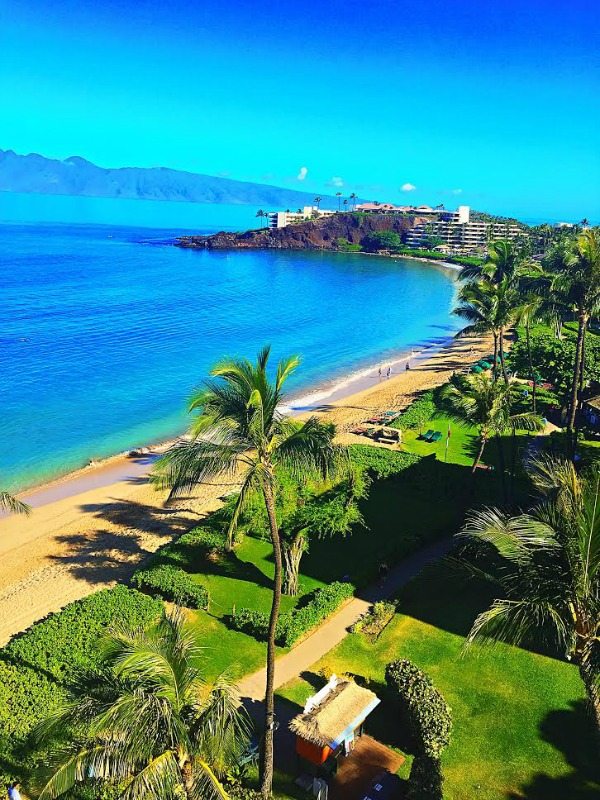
(296, 623)
(190, 549)
(423, 708)
(381, 463)
(425, 781)
(418, 413)
(37, 666)
(172, 583)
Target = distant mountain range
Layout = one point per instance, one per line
(76, 176)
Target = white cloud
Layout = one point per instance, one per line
(408, 187)
(456, 191)
(336, 181)
(302, 173)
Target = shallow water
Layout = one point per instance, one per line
(106, 328)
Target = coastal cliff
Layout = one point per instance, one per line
(337, 232)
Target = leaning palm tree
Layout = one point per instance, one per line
(547, 564)
(239, 430)
(487, 404)
(148, 720)
(11, 504)
(478, 306)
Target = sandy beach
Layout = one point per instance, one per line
(91, 529)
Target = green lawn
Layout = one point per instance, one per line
(461, 445)
(520, 730)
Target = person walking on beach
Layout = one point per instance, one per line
(407, 366)
(13, 791)
(380, 372)
(389, 371)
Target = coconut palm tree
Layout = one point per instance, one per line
(478, 305)
(339, 197)
(480, 401)
(261, 215)
(547, 566)
(574, 269)
(148, 719)
(9, 503)
(353, 199)
(239, 430)
(317, 201)
(345, 202)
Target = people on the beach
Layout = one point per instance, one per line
(389, 371)
(13, 791)
(407, 365)
(380, 372)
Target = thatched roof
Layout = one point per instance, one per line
(340, 710)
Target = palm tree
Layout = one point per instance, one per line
(353, 198)
(339, 196)
(239, 430)
(478, 305)
(148, 719)
(317, 201)
(575, 280)
(345, 201)
(261, 214)
(547, 564)
(479, 400)
(9, 503)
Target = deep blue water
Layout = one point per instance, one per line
(105, 328)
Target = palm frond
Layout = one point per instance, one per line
(514, 621)
(160, 778)
(514, 538)
(8, 502)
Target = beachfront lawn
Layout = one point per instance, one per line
(520, 727)
(461, 445)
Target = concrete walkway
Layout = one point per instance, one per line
(328, 635)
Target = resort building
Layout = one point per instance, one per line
(331, 724)
(461, 215)
(279, 219)
(457, 235)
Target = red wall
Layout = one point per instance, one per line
(311, 752)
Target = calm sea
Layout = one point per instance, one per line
(105, 327)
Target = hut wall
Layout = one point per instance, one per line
(312, 752)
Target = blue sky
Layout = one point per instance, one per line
(492, 104)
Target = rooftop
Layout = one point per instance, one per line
(334, 712)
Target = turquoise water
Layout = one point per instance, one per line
(105, 328)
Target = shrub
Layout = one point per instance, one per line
(381, 240)
(298, 622)
(423, 708)
(425, 781)
(418, 413)
(63, 644)
(379, 462)
(172, 583)
(375, 620)
(191, 549)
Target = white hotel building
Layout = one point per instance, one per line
(279, 219)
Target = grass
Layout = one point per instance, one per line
(463, 440)
(520, 729)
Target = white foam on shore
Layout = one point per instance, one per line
(361, 379)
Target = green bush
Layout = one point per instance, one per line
(425, 781)
(379, 462)
(381, 240)
(191, 549)
(63, 644)
(172, 583)
(418, 413)
(296, 623)
(423, 708)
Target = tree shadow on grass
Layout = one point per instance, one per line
(572, 732)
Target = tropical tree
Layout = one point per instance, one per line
(547, 565)
(487, 404)
(317, 201)
(261, 215)
(339, 197)
(148, 720)
(345, 201)
(240, 431)
(11, 504)
(353, 199)
(574, 268)
(479, 307)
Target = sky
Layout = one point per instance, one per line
(489, 104)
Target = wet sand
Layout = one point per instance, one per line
(92, 529)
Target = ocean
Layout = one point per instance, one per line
(106, 327)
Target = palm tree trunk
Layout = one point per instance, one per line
(266, 787)
(292, 554)
(501, 347)
(575, 382)
(531, 371)
(495, 367)
(502, 468)
(479, 454)
(593, 693)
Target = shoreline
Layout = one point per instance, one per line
(96, 527)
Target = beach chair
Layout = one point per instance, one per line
(436, 437)
(427, 436)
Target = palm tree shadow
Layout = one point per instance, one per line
(571, 731)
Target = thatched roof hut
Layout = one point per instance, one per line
(332, 715)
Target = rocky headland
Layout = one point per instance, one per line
(337, 232)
